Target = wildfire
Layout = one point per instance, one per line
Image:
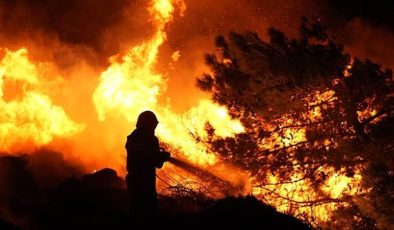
(131, 84)
(298, 196)
(28, 116)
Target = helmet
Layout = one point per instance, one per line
(147, 120)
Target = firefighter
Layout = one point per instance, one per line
(143, 157)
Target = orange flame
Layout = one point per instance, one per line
(131, 86)
(29, 117)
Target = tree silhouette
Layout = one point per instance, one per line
(310, 111)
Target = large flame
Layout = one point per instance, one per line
(132, 85)
(28, 116)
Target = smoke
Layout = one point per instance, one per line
(370, 42)
(193, 36)
(92, 29)
(365, 28)
(73, 21)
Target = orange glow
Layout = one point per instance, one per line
(132, 85)
(29, 117)
(294, 197)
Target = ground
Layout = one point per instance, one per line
(99, 201)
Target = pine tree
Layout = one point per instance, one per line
(309, 109)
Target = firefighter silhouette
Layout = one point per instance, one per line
(143, 157)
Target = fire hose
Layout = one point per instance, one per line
(203, 174)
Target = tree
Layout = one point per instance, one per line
(311, 113)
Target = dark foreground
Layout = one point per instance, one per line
(99, 201)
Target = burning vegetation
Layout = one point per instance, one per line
(309, 119)
(298, 123)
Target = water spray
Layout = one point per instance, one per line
(203, 174)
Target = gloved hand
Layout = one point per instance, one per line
(165, 155)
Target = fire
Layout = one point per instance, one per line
(131, 84)
(28, 116)
(298, 195)
(339, 185)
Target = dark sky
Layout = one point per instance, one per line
(375, 12)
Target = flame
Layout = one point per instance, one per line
(130, 85)
(29, 117)
(348, 69)
(299, 196)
